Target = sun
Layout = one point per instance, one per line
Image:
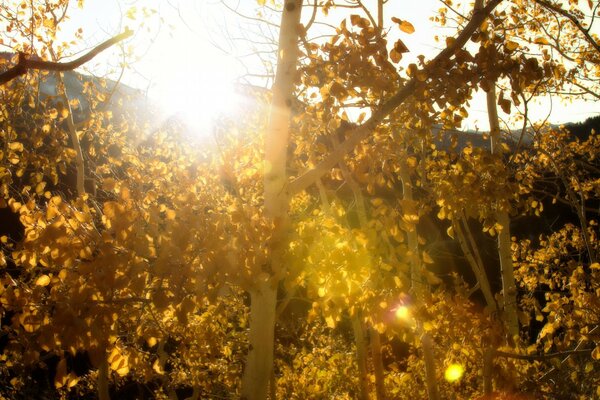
(196, 87)
(190, 78)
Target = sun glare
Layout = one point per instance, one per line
(190, 78)
(197, 89)
(454, 372)
(403, 313)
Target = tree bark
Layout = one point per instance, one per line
(102, 381)
(377, 364)
(263, 295)
(469, 248)
(418, 289)
(430, 375)
(509, 287)
(361, 355)
(79, 162)
(259, 363)
(488, 367)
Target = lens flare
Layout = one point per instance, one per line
(403, 313)
(454, 372)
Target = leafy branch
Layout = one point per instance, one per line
(356, 135)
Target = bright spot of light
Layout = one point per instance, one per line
(454, 372)
(197, 91)
(190, 77)
(403, 313)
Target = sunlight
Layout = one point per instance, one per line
(403, 313)
(188, 76)
(197, 88)
(454, 372)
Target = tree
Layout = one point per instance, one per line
(157, 270)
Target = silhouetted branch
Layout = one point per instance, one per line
(26, 64)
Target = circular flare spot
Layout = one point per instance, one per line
(454, 372)
(403, 313)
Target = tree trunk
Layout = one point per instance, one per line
(259, 363)
(263, 295)
(79, 162)
(377, 364)
(361, 355)
(488, 367)
(418, 288)
(469, 248)
(430, 376)
(102, 381)
(509, 287)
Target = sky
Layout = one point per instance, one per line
(190, 53)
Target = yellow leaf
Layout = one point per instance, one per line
(322, 292)
(70, 153)
(427, 258)
(330, 322)
(61, 374)
(398, 282)
(411, 161)
(405, 26)
(596, 353)
(72, 380)
(123, 370)
(511, 46)
(157, 367)
(541, 40)
(15, 146)
(43, 280)
(39, 188)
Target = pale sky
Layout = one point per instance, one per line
(188, 60)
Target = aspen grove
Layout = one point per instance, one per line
(346, 236)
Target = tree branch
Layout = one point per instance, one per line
(542, 357)
(25, 64)
(356, 135)
(573, 19)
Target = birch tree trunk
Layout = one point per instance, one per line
(377, 364)
(509, 287)
(263, 295)
(259, 363)
(418, 289)
(361, 355)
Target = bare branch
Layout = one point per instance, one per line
(25, 64)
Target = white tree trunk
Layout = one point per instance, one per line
(259, 364)
(263, 295)
(418, 290)
(509, 287)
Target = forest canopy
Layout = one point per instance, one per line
(340, 235)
